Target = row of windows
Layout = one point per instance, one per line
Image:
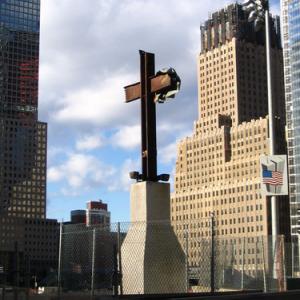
(217, 80)
(27, 209)
(23, 3)
(27, 215)
(235, 230)
(222, 64)
(231, 210)
(209, 72)
(220, 192)
(217, 54)
(223, 212)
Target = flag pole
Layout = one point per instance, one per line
(274, 214)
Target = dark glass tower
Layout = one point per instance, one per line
(23, 139)
(27, 238)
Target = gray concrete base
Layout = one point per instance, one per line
(152, 258)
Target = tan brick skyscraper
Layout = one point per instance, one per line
(217, 169)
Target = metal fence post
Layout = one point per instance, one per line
(27, 275)
(225, 249)
(17, 271)
(120, 259)
(264, 263)
(93, 264)
(293, 258)
(186, 238)
(284, 263)
(256, 249)
(232, 257)
(212, 256)
(115, 277)
(59, 260)
(243, 264)
(4, 284)
(298, 253)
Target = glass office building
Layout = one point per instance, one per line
(291, 39)
(23, 139)
(23, 144)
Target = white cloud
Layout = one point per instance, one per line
(54, 174)
(54, 152)
(89, 142)
(81, 172)
(87, 56)
(99, 105)
(127, 137)
(122, 183)
(168, 153)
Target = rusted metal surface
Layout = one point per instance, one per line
(133, 91)
(148, 118)
(145, 90)
(160, 82)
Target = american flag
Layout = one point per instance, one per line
(272, 177)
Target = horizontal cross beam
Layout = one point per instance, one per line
(133, 91)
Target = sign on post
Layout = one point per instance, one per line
(274, 180)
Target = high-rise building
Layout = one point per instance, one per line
(96, 213)
(78, 216)
(290, 10)
(23, 141)
(217, 168)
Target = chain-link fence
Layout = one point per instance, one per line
(89, 259)
(157, 257)
(292, 250)
(164, 257)
(160, 257)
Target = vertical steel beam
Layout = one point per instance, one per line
(148, 118)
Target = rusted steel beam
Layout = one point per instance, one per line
(160, 82)
(133, 91)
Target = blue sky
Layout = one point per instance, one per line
(89, 52)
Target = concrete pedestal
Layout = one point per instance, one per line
(152, 258)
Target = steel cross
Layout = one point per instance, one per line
(145, 90)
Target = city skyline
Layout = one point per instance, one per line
(91, 130)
